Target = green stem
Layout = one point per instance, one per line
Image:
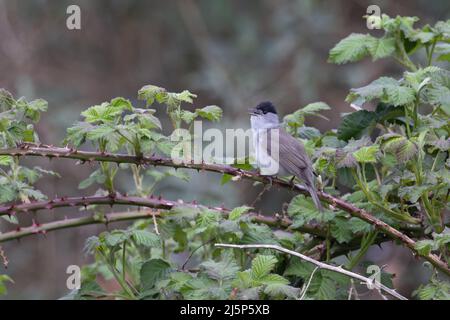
(119, 279)
(137, 179)
(367, 193)
(408, 128)
(328, 244)
(126, 138)
(366, 243)
(435, 161)
(403, 58)
(124, 262)
(430, 53)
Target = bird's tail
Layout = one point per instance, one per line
(313, 192)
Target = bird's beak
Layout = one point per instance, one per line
(252, 111)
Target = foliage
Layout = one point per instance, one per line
(392, 159)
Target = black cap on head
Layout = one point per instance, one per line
(266, 107)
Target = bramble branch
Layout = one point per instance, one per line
(75, 222)
(87, 156)
(117, 199)
(319, 264)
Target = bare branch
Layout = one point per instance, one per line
(319, 264)
(75, 222)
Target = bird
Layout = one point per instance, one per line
(277, 152)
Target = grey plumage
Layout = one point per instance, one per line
(294, 159)
(292, 156)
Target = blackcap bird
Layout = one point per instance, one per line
(277, 152)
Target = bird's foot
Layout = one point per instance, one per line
(291, 182)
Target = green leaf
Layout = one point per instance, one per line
(273, 279)
(436, 290)
(403, 148)
(89, 290)
(4, 278)
(101, 132)
(188, 116)
(299, 268)
(146, 239)
(356, 124)
(5, 160)
(152, 271)
(236, 213)
(297, 119)
(11, 219)
(315, 107)
(222, 270)
(262, 265)
(438, 94)
(424, 247)
(441, 240)
(121, 104)
(255, 233)
(442, 51)
(114, 238)
(357, 225)
(6, 100)
(101, 113)
(303, 210)
(308, 133)
(77, 134)
(212, 113)
(150, 93)
(281, 291)
(341, 230)
(387, 90)
(95, 177)
(381, 48)
(443, 27)
(323, 287)
(412, 193)
(352, 48)
(186, 96)
(367, 154)
(34, 108)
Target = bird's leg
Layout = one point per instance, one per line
(266, 187)
(284, 209)
(291, 182)
(270, 181)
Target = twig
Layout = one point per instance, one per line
(307, 285)
(155, 224)
(71, 223)
(260, 194)
(70, 153)
(193, 251)
(319, 264)
(4, 257)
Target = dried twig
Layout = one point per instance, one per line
(4, 257)
(320, 265)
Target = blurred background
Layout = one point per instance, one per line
(231, 53)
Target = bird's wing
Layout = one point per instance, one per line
(292, 154)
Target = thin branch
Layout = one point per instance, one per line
(74, 222)
(320, 265)
(159, 203)
(86, 156)
(4, 258)
(307, 285)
